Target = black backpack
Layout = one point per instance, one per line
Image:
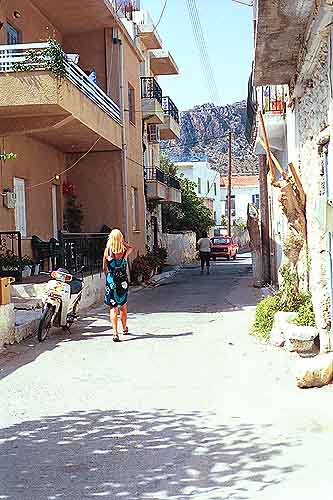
(120, 278)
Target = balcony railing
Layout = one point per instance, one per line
(155, 174)
(272, 99)
(11, 55)
(173, 182)
(83, 249)
(150, 89)
(170, 108)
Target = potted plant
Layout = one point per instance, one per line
(26, 266)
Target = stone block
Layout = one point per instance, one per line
(280, 325)
(300, 338)
(7, 324)
(314, 372)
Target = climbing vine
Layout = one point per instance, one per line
(7, 156)
(51, 58)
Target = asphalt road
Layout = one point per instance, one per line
(189, 406)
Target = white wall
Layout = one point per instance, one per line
(202, 169)
(181, 247)
(243, 196)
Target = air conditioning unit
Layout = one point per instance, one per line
(10, 199)
(153, 133)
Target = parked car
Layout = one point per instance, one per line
(224, 246)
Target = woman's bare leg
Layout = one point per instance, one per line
(114, 319)
(123, 317)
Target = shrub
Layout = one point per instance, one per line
(141, 266)
(265, 312)
(306, 316)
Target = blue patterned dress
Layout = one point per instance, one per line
(112, 297)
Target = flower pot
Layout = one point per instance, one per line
(36, 269)
(26, 272)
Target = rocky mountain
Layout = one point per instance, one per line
(204, 135)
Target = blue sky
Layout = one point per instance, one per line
(228, 31)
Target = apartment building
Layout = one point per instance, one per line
(73, 121)
(160, 118)
(207, 184)
(292, 87)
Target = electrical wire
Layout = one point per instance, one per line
(161, 15)
(66, 170)
(243, 3)
(206, 66)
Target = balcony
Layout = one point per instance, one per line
(162, 63)
(156, 184)
(161, 186)
(146, 30)
(151, 95)
(271, 100)
(68, 112)
(171, 128)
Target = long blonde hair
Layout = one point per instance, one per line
(116, 242)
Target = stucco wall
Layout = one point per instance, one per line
(181, 247)
(311, 117)
(35, 163)
(32, 25)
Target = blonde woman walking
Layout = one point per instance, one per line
(116, 289)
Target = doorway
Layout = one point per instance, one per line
(154, 223)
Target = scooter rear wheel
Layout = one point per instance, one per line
(45, 323)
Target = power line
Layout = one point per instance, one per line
(202, 49)
(161, 15)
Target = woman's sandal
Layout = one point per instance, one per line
(125, 332)
(116, 338)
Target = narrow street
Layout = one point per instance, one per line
(189, 406)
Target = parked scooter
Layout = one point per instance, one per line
(61, 303)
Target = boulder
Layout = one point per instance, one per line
(314, 372)
(300, 338)
(280, 325)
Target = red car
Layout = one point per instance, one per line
(224, 246)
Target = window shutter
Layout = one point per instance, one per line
(20, 207)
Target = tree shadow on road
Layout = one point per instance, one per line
(138, 455)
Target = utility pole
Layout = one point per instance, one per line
(229, 187)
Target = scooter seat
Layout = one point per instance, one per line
(76, 286)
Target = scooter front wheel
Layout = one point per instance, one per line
(45, 323)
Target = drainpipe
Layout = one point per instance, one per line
(124, 159)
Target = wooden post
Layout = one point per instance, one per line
(264, 220)
(229, 186)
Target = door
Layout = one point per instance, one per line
(13, 36)
(155, 231)
(20, 206)
(55, 210)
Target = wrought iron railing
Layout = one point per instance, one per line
(173, 182)
(170, 108)
(251, 111)
(150, 89)
(11, 254)
(155, 174)
(272, 99)
(11, 55)
(83, 250)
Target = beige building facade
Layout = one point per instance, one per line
(76, 128)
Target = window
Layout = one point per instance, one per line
(232, 205)
(215, 189)
(13, 36)
(20, 207)
(131, 104)
(199, 185)
(255, 200)
(135, 221)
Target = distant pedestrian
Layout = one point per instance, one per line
(116, 289)
(204, 245)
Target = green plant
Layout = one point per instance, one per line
(51, 58)
(73, 215)
(26, 261)
(306, 316)
(152, 205)
(289, 293)
(240, 223)
(191, 215)
(141, 266)
(10, 261)
(223, 220)
(167, 165)
(7, 156)
(161, 253)
(264, 318)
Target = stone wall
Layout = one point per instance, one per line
(181, 247)
(312, 111)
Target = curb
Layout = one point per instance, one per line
(156, 280)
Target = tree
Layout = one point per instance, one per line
(191, 215)
(167, 165)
